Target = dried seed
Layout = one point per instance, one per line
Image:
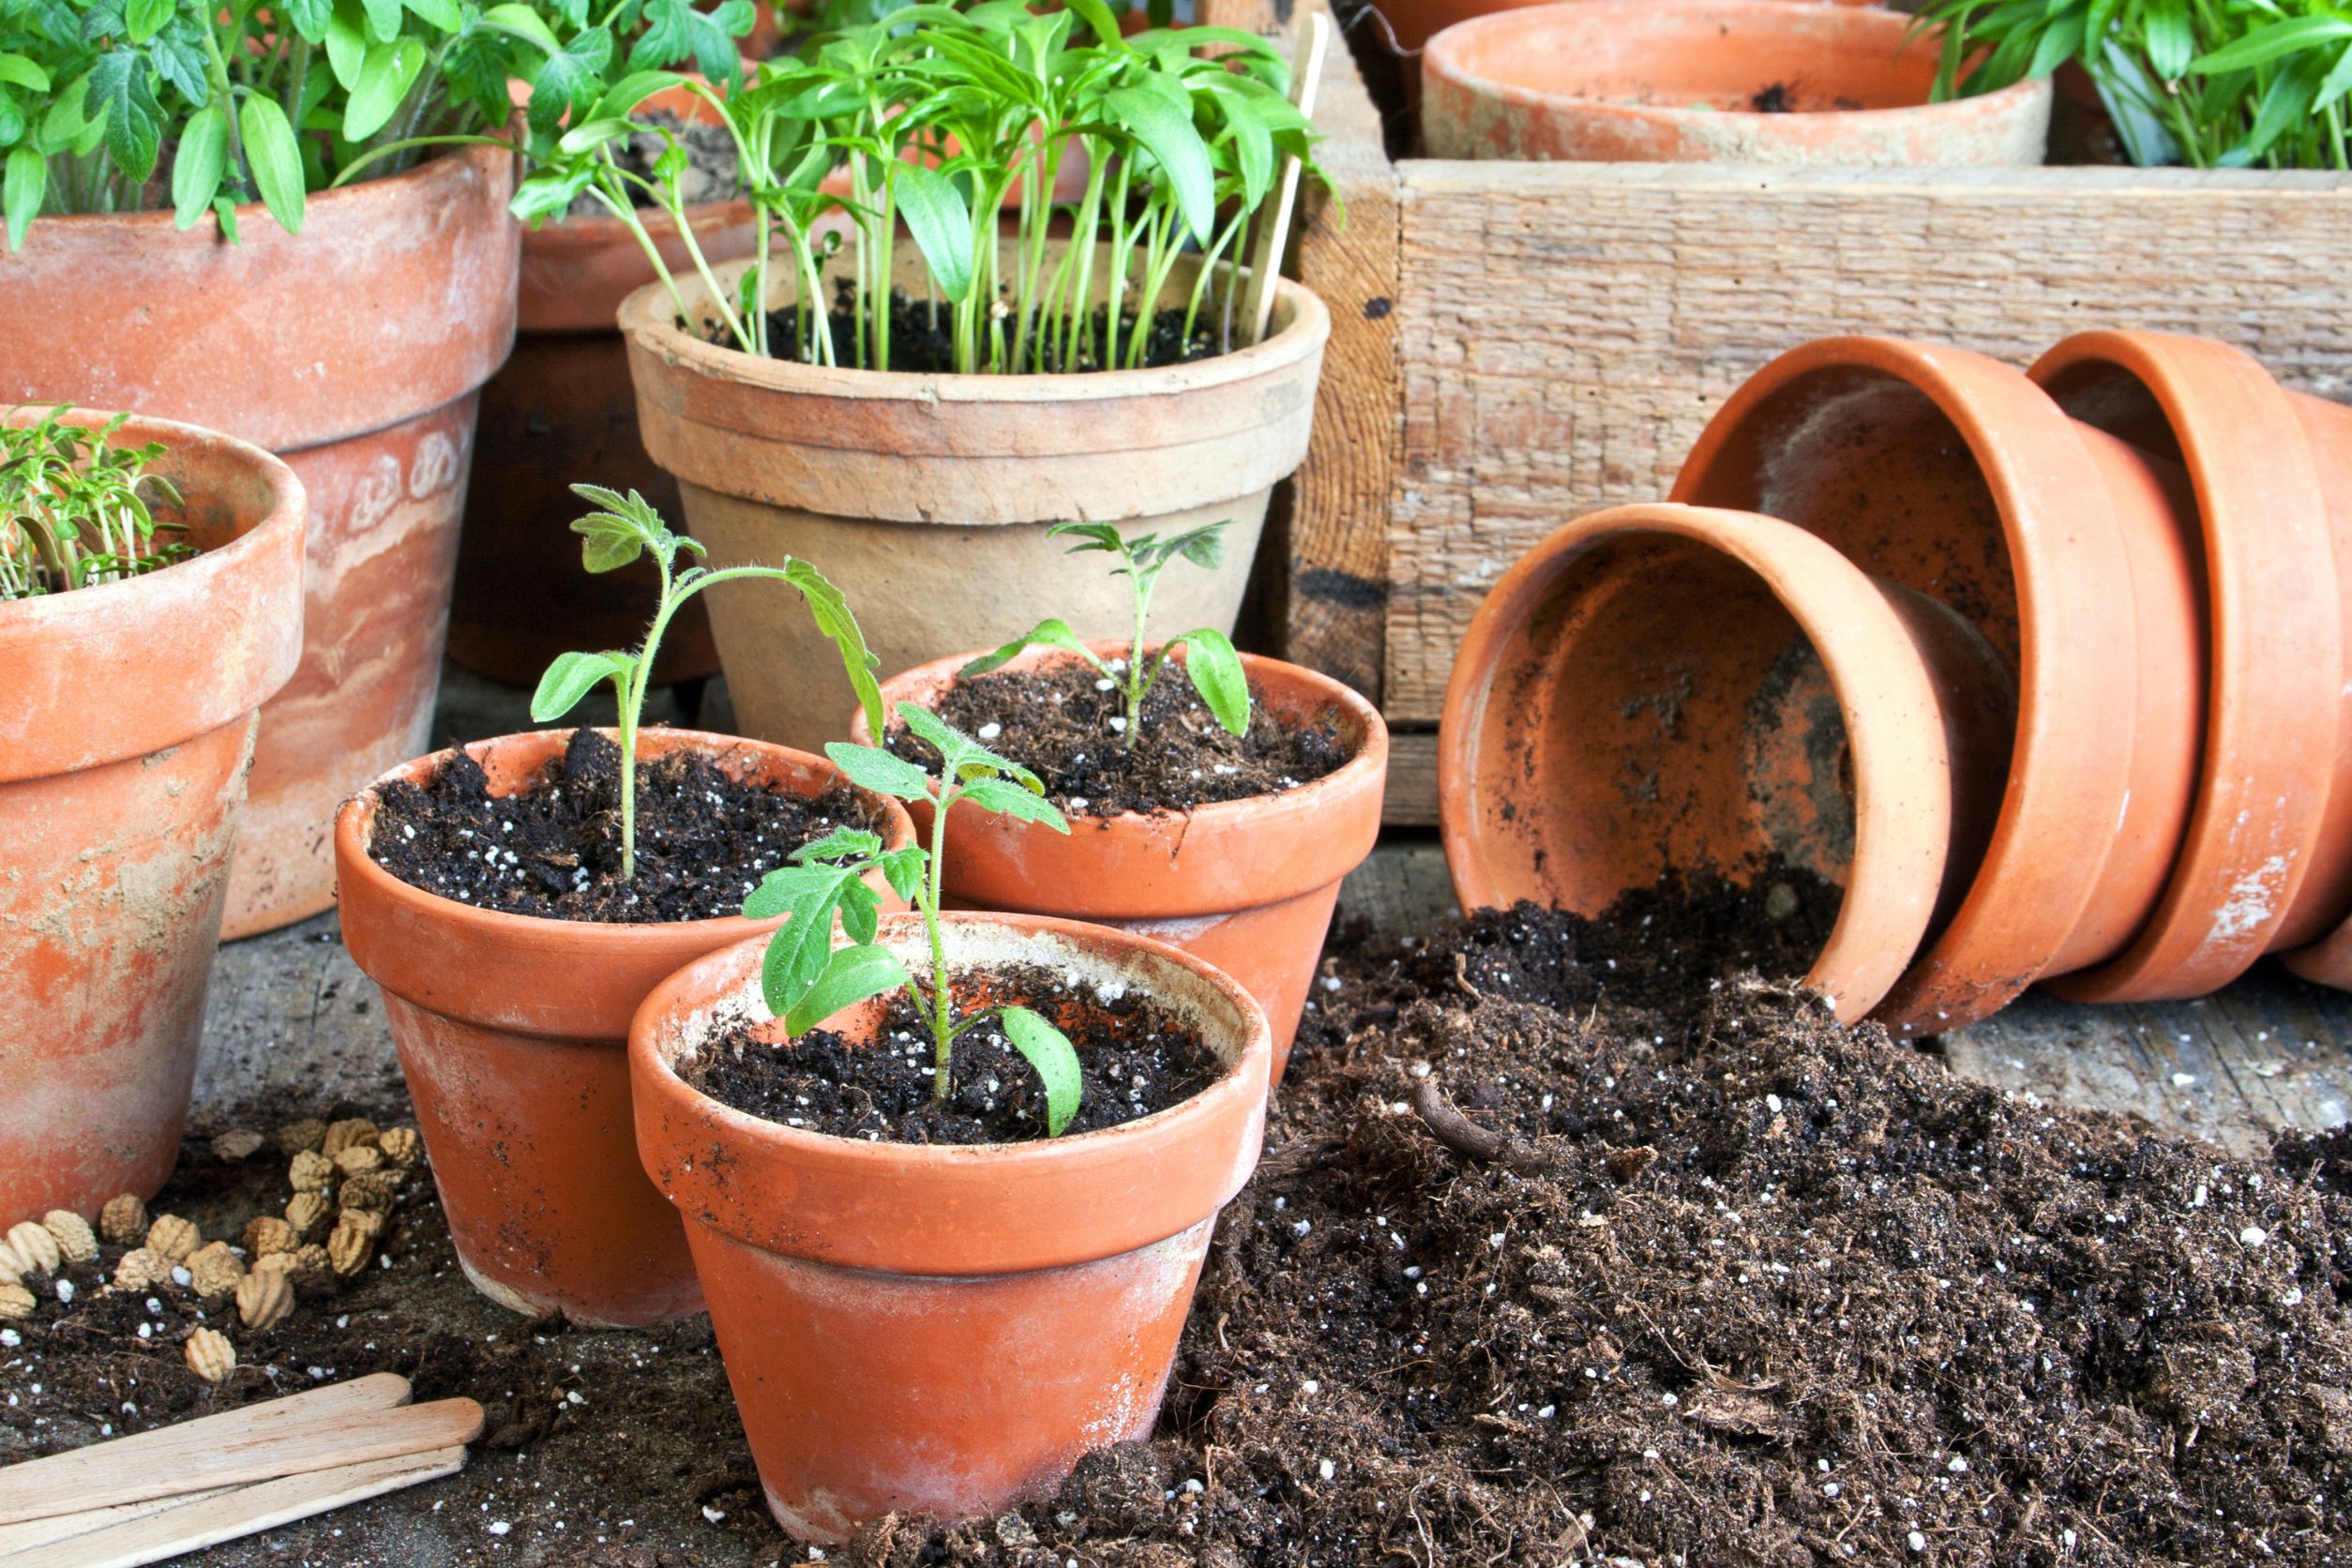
(210, 1355)
(308, 1214)
(311, 1269)
(401, 1146)
(359, 1157)
(173, 1237)
(264, 1297)
(353, 1243)
(34, 1247)
(15, 1301)
(311, 1172)
(267, 1233)
(124, 1220)
(143, 1268)
(371, 1190)
(11, 1266)
(355, 1133)
(237, 1145)
(295, 1136)
(214, 1270)
(75, 1242)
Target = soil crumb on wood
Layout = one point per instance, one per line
(553, 850)
(923, 339)
(1057, 721)
(713, 172)
(1135, 1056)
(1778, 99)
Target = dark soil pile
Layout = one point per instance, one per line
(713, 172)
(553, 850)
(923, 337)
(1134, 1056)
(1058, 722)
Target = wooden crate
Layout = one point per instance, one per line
(1514, 344)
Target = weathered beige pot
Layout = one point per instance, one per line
(927, 498)
(354, 351)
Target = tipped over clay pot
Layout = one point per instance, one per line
(511, 1032)
(1712, 81)
(126, 732)
(1660, 689)
(2074, 554)
(946, 1329)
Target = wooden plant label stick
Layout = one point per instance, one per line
(1273, 232)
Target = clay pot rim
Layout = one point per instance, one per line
(2254, 713)
(1366, 770)
(1772, 550)
(355, 825)
(1437, 57)
(1302, 323)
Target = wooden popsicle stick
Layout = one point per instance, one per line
(185, 1524)
(283, 1437)
(21, 1538)
(1272, 241)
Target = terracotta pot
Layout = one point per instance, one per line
(1411, 24)
(2073, 553)
(945, 1330)
(1660, 689)
(926, 497)
(354, 351)
(561, 412)
(1675, 81)
(1248, 885)
(2274, 752)
(125, 739)
(510, 1029)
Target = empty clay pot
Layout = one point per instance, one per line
(125, 738)
(927, 498)
(2327, 431)
(1712, 81)
(1248, 885)
(354, 350)
(511, 1029)
(1412, 23)
(2074, 554)
(2275, 674)
(945, 1330)
(561, 412)
(1663, 689)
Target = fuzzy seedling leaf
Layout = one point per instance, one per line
(573, 676)
(869, 767)
(1218, 676)
(1048, 633)
(850, 975)
(830, 609)
(842, 843)
(1050, 1052)
(625, 528)
(1010, 799)
(807, 896)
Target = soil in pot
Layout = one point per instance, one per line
(1058, 722)
(922, 340)
(1135, 1056)
(553, 849)
(713, 172)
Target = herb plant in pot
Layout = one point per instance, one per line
(517, 899)
(950, 1182)
(150, 601)
(966, 387)
(1216, 799)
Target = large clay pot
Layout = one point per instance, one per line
(354, 351)
(2074, 554)
(927, 498)
(511, 1032)
(2273, 765)
(124, 737)
(1248, 885)
(946, 1330)
(1683, 82)
(561, 412)
(1411, 24)
(1661, 689)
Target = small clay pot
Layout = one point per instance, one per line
(1661, 689)
(927, 498)
(2074, 555)
(124, 737)
(510, 1031)
(1248, 885)
(1712, 81)
(354, 351)
(946, 1330)
(2275, 662)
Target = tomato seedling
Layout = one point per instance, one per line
(75, 511)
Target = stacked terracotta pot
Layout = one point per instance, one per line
(2046, 670)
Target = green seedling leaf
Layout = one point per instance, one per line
(842, 843)
(385, 75)
(121, 91)
(808, 897)
(1048, 633)
(1168, 134)
(623, 528)
(961, 756)
(277, 162)
(23, 187)
(573, 676)
(1010, 799)
(197, 168)
(940, 222)
(1048, 1050)
(869, 767)
(830, 609)
(1218, 676)
(850, 975)
(2264, 44)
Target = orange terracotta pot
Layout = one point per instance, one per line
(1661, 688)
(2274, 755)
(354, 351)
(125, 738)
(1411, 24)
(2075, 555)
(945, 1330)
(511, 1029)
(1248, 885)
(1675, 81)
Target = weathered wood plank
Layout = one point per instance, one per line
(1411, 799)
(1565, 330)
